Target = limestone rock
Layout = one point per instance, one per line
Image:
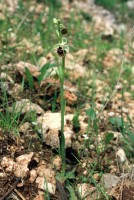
(109, 180)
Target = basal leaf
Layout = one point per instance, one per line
(109, 137)
(29, 78)
(91, 113)
(44, 72)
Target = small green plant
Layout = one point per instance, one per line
(10, 119)
(46, 194)
(54, 3)
(76, 123)
(62, 48)
(30, 78)
(126, 128)
(106, 4)
(45, 72)
(86, 16)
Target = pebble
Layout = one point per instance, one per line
(125, 110)
(111, 114)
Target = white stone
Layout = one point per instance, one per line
(109, 180)
(111, 114)
(51, 188)
(25, 105)
(21, 166)
(130, 4)
(121, 156)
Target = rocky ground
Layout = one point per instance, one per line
(99, 93)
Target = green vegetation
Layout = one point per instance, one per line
(62, 48)
(118, 7)
(28, 35)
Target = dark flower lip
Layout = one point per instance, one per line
(61, 51)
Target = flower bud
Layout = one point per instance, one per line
(64, 31)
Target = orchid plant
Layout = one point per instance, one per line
(62, 48)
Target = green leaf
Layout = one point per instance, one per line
(70, 174)
(2, 116)
(109, 137)
(75, 121)
(91, 113)
(44, 72)
(59, 176)
(30, 78)
(72, 193)
(131, 136)
(116, 122)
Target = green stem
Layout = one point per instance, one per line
(62, 138)
(60, 35)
